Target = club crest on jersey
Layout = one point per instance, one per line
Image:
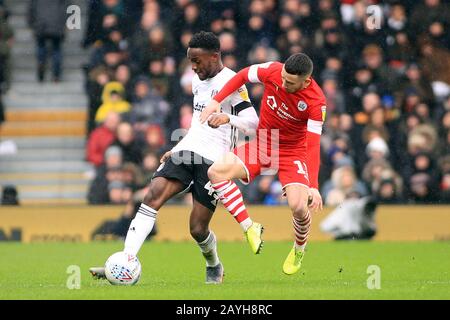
(302, 105)
(213, 93)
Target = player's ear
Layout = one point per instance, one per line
(308, 81)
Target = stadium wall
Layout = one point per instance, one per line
(77, 224)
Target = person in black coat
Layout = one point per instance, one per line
(47, 18)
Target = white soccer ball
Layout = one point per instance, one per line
(123, 269)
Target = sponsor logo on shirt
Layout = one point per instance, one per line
(199, 107)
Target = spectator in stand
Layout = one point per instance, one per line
(148, 107)
(123, 75)
(361, 84)
(150, 164)
(384, 76)
(188, 16)
(156, 46)
(113, 101)
(104, 15)
(101, 138)
(435, 64)
(98, 79)
(105, 174)
(47, 18)
(426, 13)
(422, 183)
(376, 123)
(383, 181)
(129, 146)
(334, 95)
(414, 80)
(155, 139)
(343, 184)
(119, 192)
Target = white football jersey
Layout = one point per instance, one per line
(208, 142)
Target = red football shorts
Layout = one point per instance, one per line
(260, 159)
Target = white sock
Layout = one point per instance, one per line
(247, 223)
(140, 228)
(299, 247)
(209, 250)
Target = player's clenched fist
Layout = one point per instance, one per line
(218, 119)
(212, 107)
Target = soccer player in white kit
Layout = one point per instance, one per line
(185, 167)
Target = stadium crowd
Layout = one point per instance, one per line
(387, 83)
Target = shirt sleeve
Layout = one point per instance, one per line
(314, 131)
(256, 73)
(247, 120)
(240, 96)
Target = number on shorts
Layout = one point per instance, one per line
(210, 189)
(301, 167)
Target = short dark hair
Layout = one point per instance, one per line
(299, 64)
(205, 40)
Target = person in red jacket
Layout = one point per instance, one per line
(101, 138)
(293, 109)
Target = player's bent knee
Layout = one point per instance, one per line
(217, 172)
(199, 232)
(299, 209)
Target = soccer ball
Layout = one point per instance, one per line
(123, 269)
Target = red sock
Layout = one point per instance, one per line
(301, 230)
(231, 197)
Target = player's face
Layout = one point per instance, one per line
(292, 82)
(203, 62)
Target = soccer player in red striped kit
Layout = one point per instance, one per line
(293, 110)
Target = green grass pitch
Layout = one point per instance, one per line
(332, 270)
